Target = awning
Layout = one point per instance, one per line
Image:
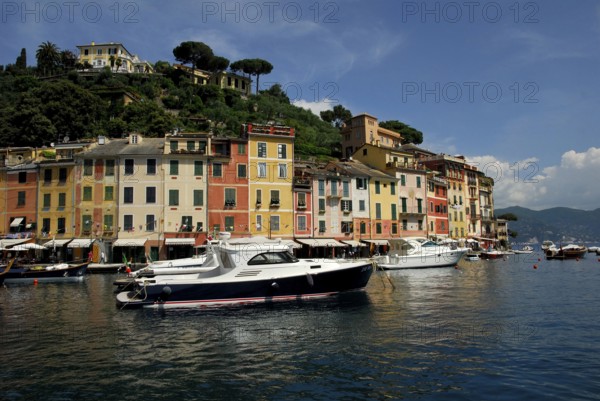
(16, 222)
(180, 241)
(377, 241)
(354, 243)
(80, 243)
(57, 243)
(26, 247)
(130, 242)
(11, 242)
(317, 242)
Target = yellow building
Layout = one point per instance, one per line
(222, 79)
(271, 156)
(57, 192)
(410, 184)
(113, 55)
(364, 128)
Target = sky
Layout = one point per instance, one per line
(511, 85)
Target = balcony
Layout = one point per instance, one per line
(188, 151)
(301, 205)
(336, 195)
(274, 203)
(411, 210)
(300, 182)
(229, 203)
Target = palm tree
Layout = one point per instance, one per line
(48, 57)
(112, 59)
(118, 63)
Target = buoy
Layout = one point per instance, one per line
(539, 259)
(535, 266)
(35, 281)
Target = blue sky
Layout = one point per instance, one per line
(513, 86)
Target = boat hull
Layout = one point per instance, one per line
(560, 254)
(398, 262)
(198, 294)
(74, 273)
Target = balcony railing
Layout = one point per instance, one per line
(302, 182)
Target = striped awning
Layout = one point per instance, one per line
(320, 242)
(180, 241)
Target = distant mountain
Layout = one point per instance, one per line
(559, 224)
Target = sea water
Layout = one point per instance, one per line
(517, 329)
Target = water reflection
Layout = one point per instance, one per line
(431, 333)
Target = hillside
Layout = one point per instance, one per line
(555, 224)
(37, 112)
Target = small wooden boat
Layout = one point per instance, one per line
(61, 272)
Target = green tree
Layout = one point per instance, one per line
(217, 64)
(336, 117)
(194, 53)
(112, 60)
(68, 60)
(254, 66)
(509, 217)
(118, 63)
(73, 111)
(21, 62)
(48, 58)
(409, 134)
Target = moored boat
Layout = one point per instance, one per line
(247, 273)
(62, 272)
(471, 257)
(418, 252)
(494, 254)
(547, 245)
(525, 250)
(5, 270)
(570, 251)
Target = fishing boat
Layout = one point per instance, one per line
(247, 273)
(571, 251)
(419, 252)
(62, 272)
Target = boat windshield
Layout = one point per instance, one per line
(429, 244)
(272, 258)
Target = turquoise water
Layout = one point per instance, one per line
(488, 330)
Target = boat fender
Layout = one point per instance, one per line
(164, 294)
(310, 280)
(275, 285)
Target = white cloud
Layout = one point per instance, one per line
(524, 183)
(315, 107)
